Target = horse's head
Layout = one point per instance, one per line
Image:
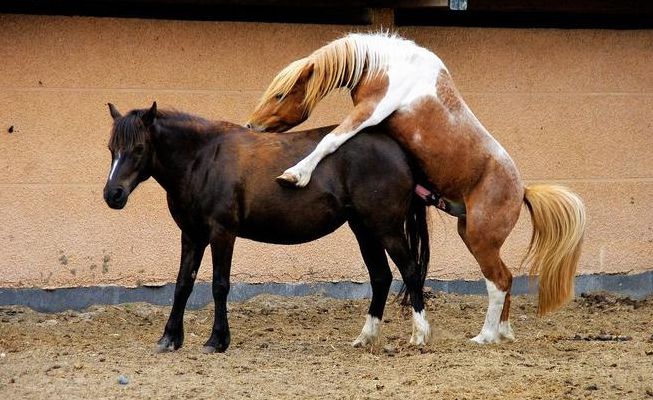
(131, 154)
(284, 104)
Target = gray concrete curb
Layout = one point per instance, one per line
(55, 300)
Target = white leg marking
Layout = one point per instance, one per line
(370, 332)
(505, 332)
(303, 170)
(421, 329)
(114, 165)
(490, 331)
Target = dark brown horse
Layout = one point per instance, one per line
(219, 179)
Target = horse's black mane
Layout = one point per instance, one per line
(129, 130)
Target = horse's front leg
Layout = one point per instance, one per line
(191, 257)
(222, 247)
(362, 116)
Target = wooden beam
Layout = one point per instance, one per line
(563, 6)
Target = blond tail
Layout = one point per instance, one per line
(558, 217)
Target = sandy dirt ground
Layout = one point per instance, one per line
(598, 347)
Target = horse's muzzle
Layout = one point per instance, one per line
(272, 127)
(255, 127)
(116, 197)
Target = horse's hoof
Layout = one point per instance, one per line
(163, 349)
(165, 345)
(287, 180)
(419, 340)
(478, 340)
(485, 339)
(364, 340)
(489, 338)
(208, 349)
(217, 344)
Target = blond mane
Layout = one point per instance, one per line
(339, 64)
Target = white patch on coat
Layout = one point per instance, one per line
(114, 165)
(490, 331)
(421, 329)
(412, 74)
(505, 332)
(370, 332)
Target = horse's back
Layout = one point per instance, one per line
(369, 173)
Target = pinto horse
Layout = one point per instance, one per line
(409, 89)
(219, 182)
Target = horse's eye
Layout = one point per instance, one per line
(278, 96)
(138, 150)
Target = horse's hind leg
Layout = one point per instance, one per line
(380, 278)
(484, 230)
(191, 257)
(397, 248)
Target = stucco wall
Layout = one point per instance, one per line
(570, 106)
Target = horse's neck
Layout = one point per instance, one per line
(175, 147)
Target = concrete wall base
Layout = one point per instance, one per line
(55, 300)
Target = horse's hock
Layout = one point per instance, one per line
(570, 106)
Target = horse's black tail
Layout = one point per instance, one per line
(417, 235)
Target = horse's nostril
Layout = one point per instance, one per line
(117, 195)
(248, 126)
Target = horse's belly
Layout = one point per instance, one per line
(288, 231)
(292, 217)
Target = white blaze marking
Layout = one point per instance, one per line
(421, 329)
(370, 332)
(114, 165)
(490, 331)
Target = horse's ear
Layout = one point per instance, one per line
(149, 116)
(115, 114)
